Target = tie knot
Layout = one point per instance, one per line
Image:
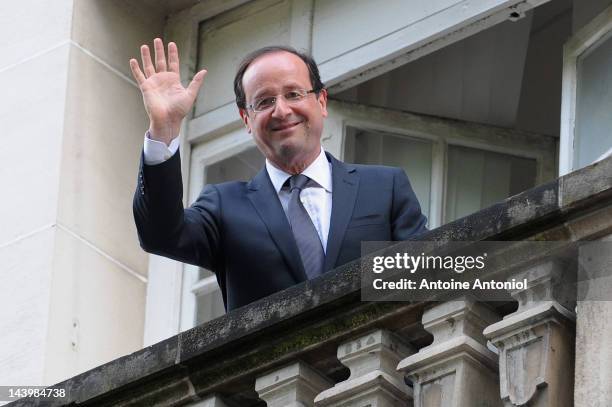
(298, 181)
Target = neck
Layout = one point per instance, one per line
(296, 165)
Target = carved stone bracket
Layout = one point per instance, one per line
(294, 385)
(536, 343)
(373, 381)
(457, 369)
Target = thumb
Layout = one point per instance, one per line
(194, 86)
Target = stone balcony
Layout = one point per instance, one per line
(318, 344)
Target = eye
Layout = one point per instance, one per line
(264, 103)
(294, 95)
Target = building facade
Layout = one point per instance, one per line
(476, 100)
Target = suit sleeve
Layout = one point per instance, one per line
(167, 229)
(407, 220)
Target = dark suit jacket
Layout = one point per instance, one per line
(240, 231)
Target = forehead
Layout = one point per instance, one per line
(275, 71)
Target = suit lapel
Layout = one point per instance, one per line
(265, 200)
(345, 182)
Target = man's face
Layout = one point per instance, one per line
(288, 133)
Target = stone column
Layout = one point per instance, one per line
(374, 380)
(593, 378)
(294, 385)
(536, 343)
(457, 369)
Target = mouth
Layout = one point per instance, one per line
(285, 126)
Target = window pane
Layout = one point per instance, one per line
(413, 155)
(209, 306)
(593, 131)
(478, 178)
(239, 167)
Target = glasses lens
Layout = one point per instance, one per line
(291, 96)
(264, 104)
(295, 95)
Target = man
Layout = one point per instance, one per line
(305, 213)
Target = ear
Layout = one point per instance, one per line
(244, 115)
(322, 99)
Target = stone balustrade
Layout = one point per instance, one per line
(317, 344)
(457, 369)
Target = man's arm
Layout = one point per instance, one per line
(164, 226)
(167, 229)
(407, 219)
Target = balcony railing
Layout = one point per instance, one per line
(318, 344)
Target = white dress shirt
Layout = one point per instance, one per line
(156, 152)
(317, 198)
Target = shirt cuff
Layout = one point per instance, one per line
(156, 152)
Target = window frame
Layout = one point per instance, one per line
(580, 43)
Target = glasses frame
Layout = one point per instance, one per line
(275, 97)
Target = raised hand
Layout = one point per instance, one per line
(166, 101)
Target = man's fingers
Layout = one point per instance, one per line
(160, 56)
(196, 82)
(136, 72)
(147, 65)
(173, 58)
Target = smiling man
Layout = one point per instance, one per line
(289, 105)
(302, 215)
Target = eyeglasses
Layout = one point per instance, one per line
(292, 96)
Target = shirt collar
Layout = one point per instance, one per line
(319, 171)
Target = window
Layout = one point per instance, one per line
(411, 154)
(476, 178)
(586, 122)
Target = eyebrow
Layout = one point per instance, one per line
(267, 92)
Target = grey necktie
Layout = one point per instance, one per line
(306, 236)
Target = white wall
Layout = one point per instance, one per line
(33, 76)
(73, 277)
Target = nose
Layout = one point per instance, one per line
(281, 108)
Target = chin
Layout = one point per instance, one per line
(289, 151)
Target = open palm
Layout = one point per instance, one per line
(166, 101)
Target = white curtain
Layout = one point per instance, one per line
(413, 155)
(478, 178)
